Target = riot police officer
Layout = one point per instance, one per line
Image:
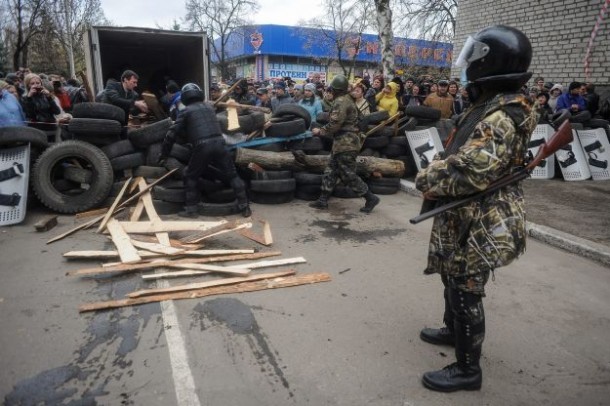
(469, 242)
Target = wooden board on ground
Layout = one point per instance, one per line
(93, 254)
(217, 290)
(149, 227)
(127, 252)
(201, 285)
(46, 223)
(114, 205)
(125, 268)
(265, 239)
(146, 200)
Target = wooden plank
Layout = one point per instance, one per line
(91, 213)
(125, 268)
(137, 211)
(46, 223)
(217, 290)
(114, 205)
(266, 239)
(175, 274)
(208, 284)
(227, 230)
(158, 248)
(127, 252)
(213, 268)
(146, 200)
(149, 227)
(203, 234)
(272, 263)
(93, 254)
(150, 186)
(75, 229)
(173, 242)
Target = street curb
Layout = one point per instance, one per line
(555, 238)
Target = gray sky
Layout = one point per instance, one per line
(147, 13)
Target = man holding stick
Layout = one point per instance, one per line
(467, 243)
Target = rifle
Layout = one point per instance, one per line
(560, 139)
(537, 143)
(423, 159)
(593, 161)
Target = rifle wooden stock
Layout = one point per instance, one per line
(559, 139)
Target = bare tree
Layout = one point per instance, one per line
(384, 24)
(220, 19)
(70, 19)
(25, 18)
(428, 19)
(339, 32)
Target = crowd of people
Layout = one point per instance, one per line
(42, 100)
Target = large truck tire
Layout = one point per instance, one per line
(11, 136)
(50, 167)
(150, 134)
(103, 111)
(293, 110)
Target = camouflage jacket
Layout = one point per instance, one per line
(489, 232)
(342, 125)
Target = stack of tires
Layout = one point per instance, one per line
(272, 187)
(307, 185)
(288, 120)
(96, 123)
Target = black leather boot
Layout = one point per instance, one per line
(370, 203)
(321, 203)
(445, 334)
(469, 327)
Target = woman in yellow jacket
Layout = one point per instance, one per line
(386, 99)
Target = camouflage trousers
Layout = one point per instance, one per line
(342, 166)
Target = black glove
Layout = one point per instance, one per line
(161, 160)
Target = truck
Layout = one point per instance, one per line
(155, 55)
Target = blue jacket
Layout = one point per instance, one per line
(11, 113)
(313, 108)
(566, 101)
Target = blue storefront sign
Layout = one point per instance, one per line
(318, 44)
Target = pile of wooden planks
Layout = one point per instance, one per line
(145, 247)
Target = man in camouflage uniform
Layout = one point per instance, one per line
(342, 126)
(469, 242)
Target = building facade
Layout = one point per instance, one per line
(266, 52)
(560, 32)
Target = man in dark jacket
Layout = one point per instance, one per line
(198, 126)
(124, 96)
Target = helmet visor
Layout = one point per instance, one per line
(473, 50)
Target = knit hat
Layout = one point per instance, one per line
(311, 87)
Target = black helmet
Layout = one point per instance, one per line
(339, 82)
(191, 93)
(495, 51)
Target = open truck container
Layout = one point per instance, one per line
(155, 55)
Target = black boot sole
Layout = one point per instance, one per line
(473, 387)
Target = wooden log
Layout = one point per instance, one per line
(126, 268)
(207, 284)
(216, 290)
(315, 163)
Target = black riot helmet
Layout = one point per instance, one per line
(339, 83)
(496, 58)
(191, 93)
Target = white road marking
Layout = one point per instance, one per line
(181, 371)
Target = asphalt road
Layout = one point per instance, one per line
(351, 341)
